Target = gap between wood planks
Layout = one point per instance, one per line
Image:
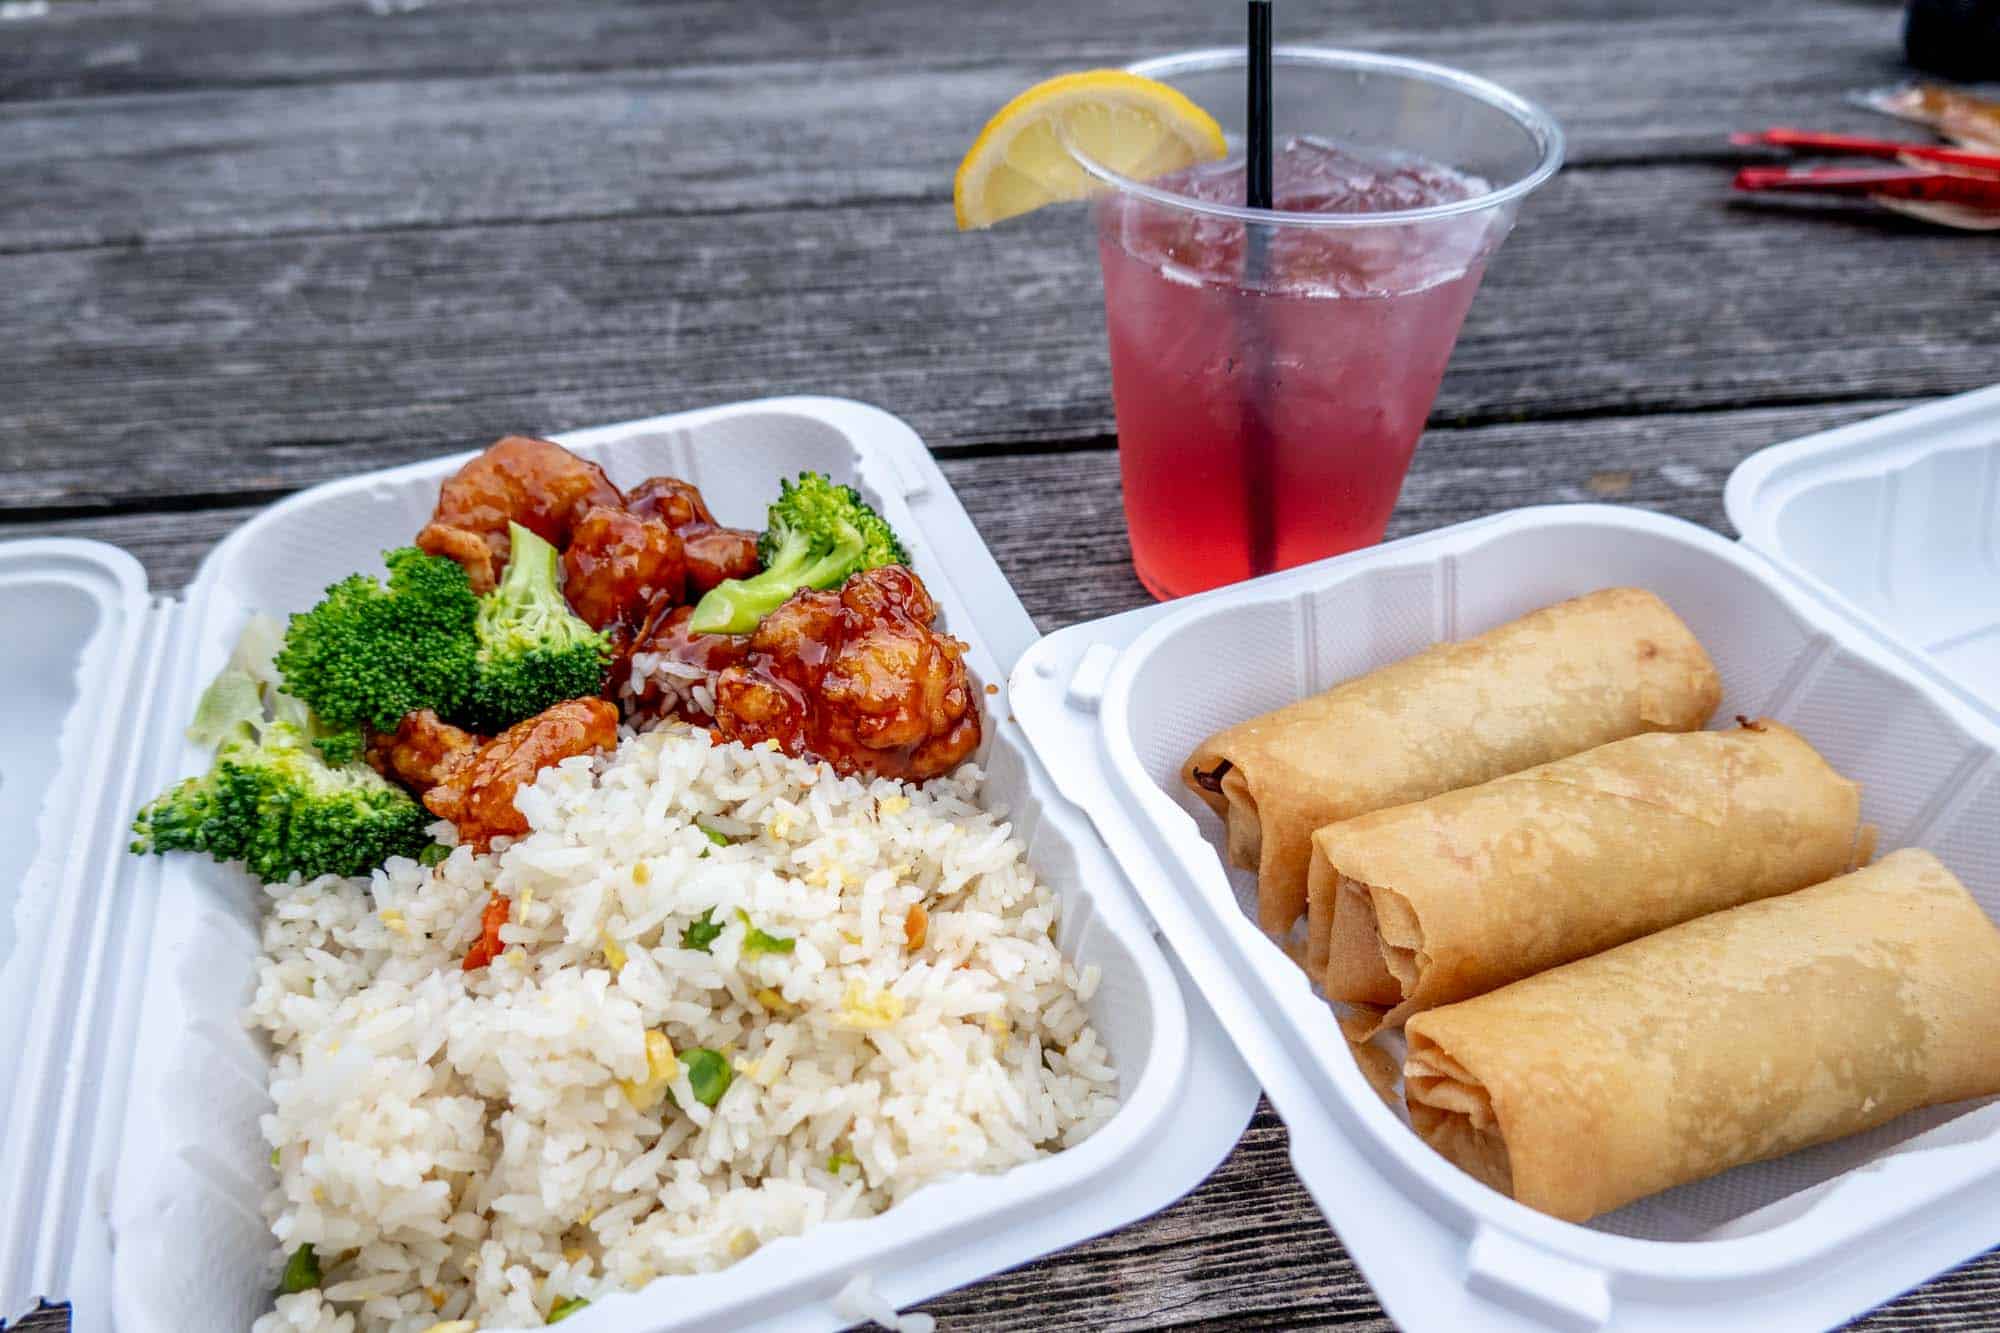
(1703, 439)
(1874, 403)
(140, 241)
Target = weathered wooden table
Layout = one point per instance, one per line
(248, 245)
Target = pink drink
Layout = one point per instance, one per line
(1265, 421)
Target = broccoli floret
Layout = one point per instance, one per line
(366, 654)
(816, 535)
(533, 650)
(180, 819)
(339, 746)
(270, 799)
(235, 695)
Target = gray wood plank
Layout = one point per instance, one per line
(1056, 524)
(124, 46)
(1965, 1300)
(681, 138)
(191, 373)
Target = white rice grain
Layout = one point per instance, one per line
(483, 1145)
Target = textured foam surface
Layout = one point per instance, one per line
(1900, 517)
(41, 670)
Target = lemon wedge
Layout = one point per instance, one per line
(1137, 127)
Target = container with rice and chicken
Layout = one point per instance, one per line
(629, 901)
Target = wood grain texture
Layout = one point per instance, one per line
(1056, 523)
(126, 46)
(191, 372)
(677, 137)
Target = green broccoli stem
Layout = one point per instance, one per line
(531, 577)
(533, 649)
(735, 606)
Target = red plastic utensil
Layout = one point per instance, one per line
(1853, 145)
(1932, 187)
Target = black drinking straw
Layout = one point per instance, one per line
(1257, 194)
(1257, 169)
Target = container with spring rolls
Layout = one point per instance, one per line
(1855, 1095)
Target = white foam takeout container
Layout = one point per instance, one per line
(1863, 608)
(1897, 521)
(131, 1166)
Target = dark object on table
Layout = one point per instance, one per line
(1959, 39)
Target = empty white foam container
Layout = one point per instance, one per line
(131, 1166)
(1862, 608)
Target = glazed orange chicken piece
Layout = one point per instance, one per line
(536, 483)
(471, 781)
(424, 751)
(679, 655)
(857, 677)
(674, 502)
(714, 553)
(619, 565)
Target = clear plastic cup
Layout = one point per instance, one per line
(1273, 368)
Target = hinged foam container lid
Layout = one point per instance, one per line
(1803, 1242)
(106, 1003)
(1897, 521)
(80, 627)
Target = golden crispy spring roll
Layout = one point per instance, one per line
(1735, 1037)
(1449, 898)
(1571, 676)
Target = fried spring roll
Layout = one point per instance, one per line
(1730, 1039)
(1449, 898)
(1571, 676)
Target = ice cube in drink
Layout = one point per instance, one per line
(1271, 389)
